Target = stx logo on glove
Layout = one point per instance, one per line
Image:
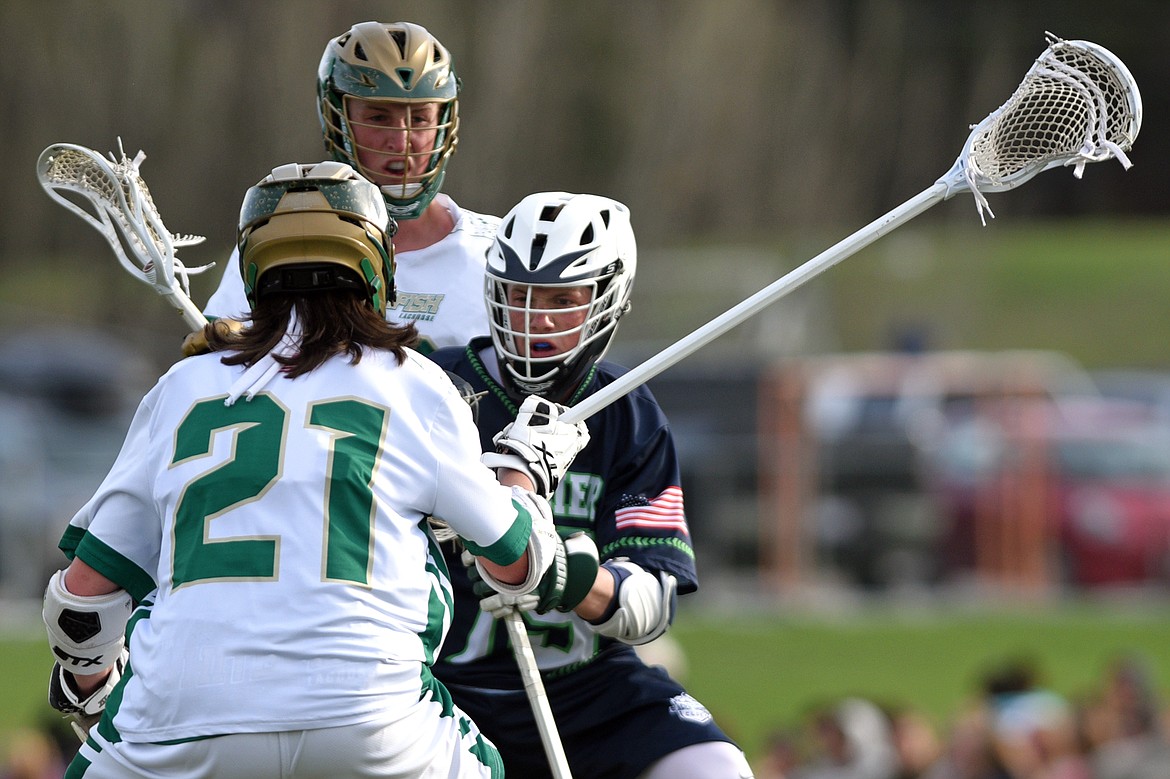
(76, 661)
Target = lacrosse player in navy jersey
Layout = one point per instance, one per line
(559, 277)
(254, 589)
(388, 104)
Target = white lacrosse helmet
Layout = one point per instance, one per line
(558, 240)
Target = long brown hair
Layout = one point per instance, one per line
(332, 322)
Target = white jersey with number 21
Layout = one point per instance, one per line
(297, 584)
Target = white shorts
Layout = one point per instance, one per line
(430, 742)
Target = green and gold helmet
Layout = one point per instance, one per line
(402, 66)
(309, 228)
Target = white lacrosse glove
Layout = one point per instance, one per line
(538, 444)
(562, 587)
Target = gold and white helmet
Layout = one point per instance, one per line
(398, 62)
(306, 228)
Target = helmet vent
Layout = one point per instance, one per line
(605, 217)
(539, 241)
(587, 235)
(508, 227)
(399, 38)
(550, 213)
(360, 52)
(406, 76)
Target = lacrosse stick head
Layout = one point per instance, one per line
(1077, 104)
(111, 196)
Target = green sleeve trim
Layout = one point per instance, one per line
(115, 567)
(70, 540)
(511, 545)
(80, 763)
(644, 543)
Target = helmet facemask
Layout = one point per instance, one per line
(516, 309)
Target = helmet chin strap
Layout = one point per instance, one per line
(569, 391)
(517, 391)
(498, 369)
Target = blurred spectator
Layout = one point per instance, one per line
(32, 753)
(1127, 739)
(969, 752)
(1034, 730)
(855, 740)
(916, 742)
(1014, 729)
(782, 755)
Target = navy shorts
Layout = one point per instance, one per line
(615, 717)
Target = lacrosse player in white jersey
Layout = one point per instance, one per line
(254, 590)
(388, 102)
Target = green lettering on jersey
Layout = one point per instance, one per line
(260, 435)
(259, 428)
(577, 495)
(358, 430)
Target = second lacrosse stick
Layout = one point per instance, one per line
(118, 205)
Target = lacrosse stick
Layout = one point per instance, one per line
(1077, 104)
(121, 209)
(537, 698)
(525, 661)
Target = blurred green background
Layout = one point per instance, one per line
(746, 136)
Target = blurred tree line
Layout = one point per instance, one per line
(733, 122)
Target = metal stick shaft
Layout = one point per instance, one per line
(534, 688)
(754, 304)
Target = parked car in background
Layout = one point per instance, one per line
(712, 414)
(874, 420)
(1141, 385)
(1087, 478)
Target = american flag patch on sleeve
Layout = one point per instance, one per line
(663, 513)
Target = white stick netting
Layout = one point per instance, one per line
(121, 208)
(1077, 104)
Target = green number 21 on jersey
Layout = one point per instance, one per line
(356, 431)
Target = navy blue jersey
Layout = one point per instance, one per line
(623, 489)
(615, 718)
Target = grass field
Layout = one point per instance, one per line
(760, 671)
